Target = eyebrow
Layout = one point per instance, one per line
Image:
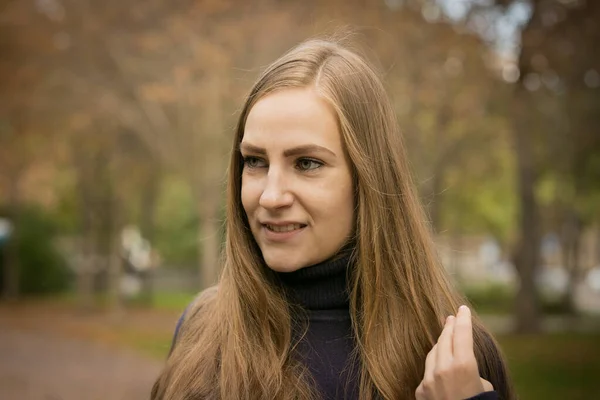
(295, 151)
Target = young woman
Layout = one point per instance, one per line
(331, 288)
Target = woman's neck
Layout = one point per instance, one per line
(321, 286)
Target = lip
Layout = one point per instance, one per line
(281, 236)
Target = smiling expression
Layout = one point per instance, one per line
(296, 181)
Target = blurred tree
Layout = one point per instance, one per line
(22, 83)
(568, 67)
(526, 253)
(110, 165)
(561, 31)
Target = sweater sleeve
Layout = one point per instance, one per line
(191, 311)
(485, 396)
(177, 329)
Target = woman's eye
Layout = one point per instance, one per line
(253, 162)
(307, 164)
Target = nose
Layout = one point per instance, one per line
(275, 194)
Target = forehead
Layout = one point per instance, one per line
(292, 117)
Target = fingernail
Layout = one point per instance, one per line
(463, 308)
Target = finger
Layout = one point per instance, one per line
(444, 351)
(430, 364)
(463, 335)
(487, 385)
(420, 392)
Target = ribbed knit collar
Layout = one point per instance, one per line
(322, 286)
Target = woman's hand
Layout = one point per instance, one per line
(451, 371)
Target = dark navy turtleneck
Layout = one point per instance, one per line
(327, 346)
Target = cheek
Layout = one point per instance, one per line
(346, 212)
(337, 207)
(346, 209)
(249, 196)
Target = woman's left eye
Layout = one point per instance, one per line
(308, 164)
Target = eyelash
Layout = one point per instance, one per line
(248, 159)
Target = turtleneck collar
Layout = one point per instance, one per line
(322, 286)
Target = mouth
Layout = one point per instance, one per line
(284, 228)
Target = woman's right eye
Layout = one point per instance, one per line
(253, 162)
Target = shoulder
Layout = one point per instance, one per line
(201, 304)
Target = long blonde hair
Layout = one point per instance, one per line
(236, 341)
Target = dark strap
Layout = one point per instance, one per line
(485, 396)
(178, 329)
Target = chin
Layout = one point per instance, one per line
(283, 264)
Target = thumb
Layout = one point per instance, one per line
(487, 386)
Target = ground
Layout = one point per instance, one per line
(42, 366)
(53, 353)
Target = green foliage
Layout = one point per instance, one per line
(564, 366)
(479, 194)
(493, 298)
(499, 298)
(42, 269)
(167, 301)
(161, 300)
(177, 223)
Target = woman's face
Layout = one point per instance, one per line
(296, 182)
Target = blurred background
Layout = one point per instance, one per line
(116, 119)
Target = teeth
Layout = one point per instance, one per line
(284, 228)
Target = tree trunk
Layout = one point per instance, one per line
(148, 225)
(435, 200)
(526, 257)
(11, 278)
(86, 269)
(114, 264)
(207, 184)
(209, 243)
(571, 246)
(114, 273)
(148, 203)
(597, 247)
(440, 164)
(458, 251)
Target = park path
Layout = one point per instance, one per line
(51, 357)
(43, 366)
